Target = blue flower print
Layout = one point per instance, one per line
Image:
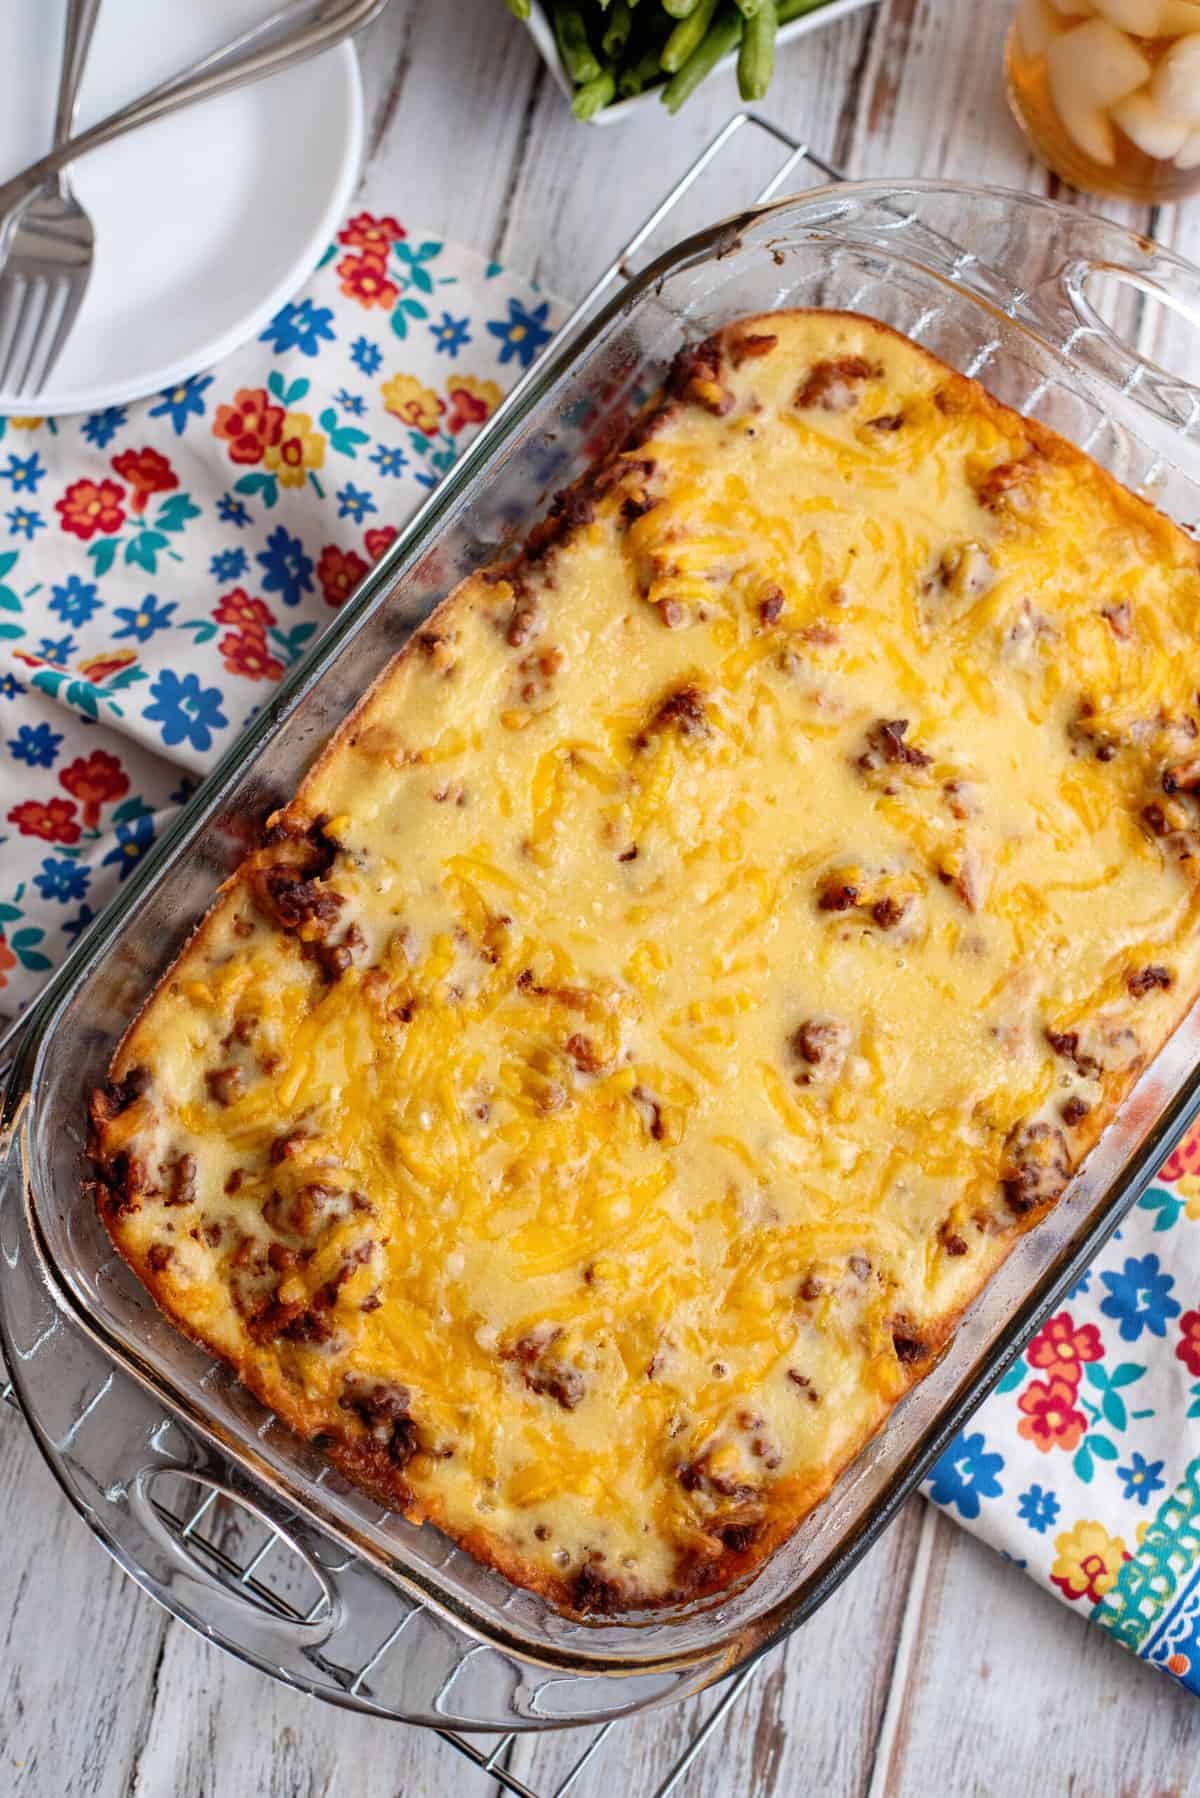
(452, 334)
(1081, 1285)
(11, 687)
(1140, 1296)
(73, 928)
(228, 565)
(286, 569)
(36, 744)
(965, 1473)
(353, 403)
(75, 601)
(366, 356)
(133, 839)
(186, 711)
(23, 475)
(388, 460)
(1039, 1508)
(183, 792)
(57, 649)
(1142, 1478)
(523, 332)
(62, 880)
(101, 427)
(300, 327)
(233, 511)
(354, 502)
(23, 523)
(183, 401)
(142, 621)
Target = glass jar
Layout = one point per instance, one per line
(1108, 92)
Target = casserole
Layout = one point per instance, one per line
(588, 1110)
(996, 284)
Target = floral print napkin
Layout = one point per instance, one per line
(162, 565)
(1084, 1464)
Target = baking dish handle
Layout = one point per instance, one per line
(1156, 289)
(213, 1547)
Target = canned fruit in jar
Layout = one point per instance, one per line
(1108, 91)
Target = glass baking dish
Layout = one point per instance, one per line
(1000, 285)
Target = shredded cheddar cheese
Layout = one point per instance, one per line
(706, 948)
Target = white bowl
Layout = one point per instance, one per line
(542, 31)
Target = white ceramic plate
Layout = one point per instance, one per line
(543, 36)
(207, 222)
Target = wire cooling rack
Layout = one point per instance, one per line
(195, 1513)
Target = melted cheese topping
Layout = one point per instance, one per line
(752, 908)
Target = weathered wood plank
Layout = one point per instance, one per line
(218, 1729)
(448, 89)
(1010, 1696)
(79, 1643)
(580, 191)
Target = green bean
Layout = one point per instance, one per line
(594, 94)
(579, 60)
(687, 36)
(639, 74)
(756, 58)
(718, 42)
(608, 50)
(616, 32)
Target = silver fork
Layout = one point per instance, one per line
(48, 242)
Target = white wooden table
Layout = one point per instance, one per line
(937, 1668)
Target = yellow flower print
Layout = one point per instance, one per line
(471, 401)
(26, 424)
(1189, 1189)
(109, 662)
(299, 449)
(418, 406)
(1087, 1561)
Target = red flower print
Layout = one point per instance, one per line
(238, 608)
(53, 821)
(246, 653)
(1062, 1347)
(365, 232)
(94, 780)
(99, 668)
(1051, 1420)
(378, 540)
(7, 959)
(1185, 1159)
(90, 506)
(1188, 1346)
(339, 572)
(471, 401)
(250, 426)
(147, 472)
(364, 278)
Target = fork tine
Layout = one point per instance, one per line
(10, 311)
(41, 292)
(63, 301)
(14, 360)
